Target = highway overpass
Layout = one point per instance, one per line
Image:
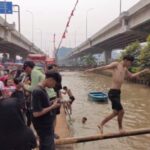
(13, 42)
(130, 26)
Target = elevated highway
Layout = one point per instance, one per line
(13, 42)
(130, 26)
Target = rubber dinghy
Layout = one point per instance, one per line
(98, 96)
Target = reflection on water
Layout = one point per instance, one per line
(135, 99)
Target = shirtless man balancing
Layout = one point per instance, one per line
(120, 71)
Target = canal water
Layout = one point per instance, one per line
(136, 102)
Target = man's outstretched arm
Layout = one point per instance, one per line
(133, 75)
(110, 66)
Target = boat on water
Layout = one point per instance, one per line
(98, 96)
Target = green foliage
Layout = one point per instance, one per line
(144, 56)
(134, 50)
(141, 54)
(148, 39)
(134, 69)
(88, 60)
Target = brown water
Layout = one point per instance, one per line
(136, 102)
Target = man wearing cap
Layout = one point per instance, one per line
(43, 118)
(36, 73)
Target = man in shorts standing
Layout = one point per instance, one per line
(120, 71)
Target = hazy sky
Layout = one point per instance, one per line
(51, 16)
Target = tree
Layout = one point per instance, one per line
(144, 56)
(134, 50)
(89, 60)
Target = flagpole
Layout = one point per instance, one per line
(65, 31)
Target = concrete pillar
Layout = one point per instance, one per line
(69, 62)
(4, 58)
(12, 57)
(24, 56)
(76, 61)
(99, 60)
(124, 21)
(108, 56)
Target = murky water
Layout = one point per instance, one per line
(136, 102)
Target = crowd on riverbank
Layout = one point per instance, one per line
(30, 96)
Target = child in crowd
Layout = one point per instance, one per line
(67, 105)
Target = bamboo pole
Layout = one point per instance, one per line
(102, 137)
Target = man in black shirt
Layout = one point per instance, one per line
(43, 117)
(57, 88)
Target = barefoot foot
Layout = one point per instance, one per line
(122, 131)
(100, 128)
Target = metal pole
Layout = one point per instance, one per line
(32, 24)
(18, 11)
(41, 38)
(75, 40)
(120, 7)
(5, 11)
(32, 27)
(86, 27)
(54, 42)
(19, 26)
